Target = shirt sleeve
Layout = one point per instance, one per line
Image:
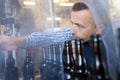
(50, 36)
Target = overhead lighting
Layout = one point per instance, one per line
(56, 1)
(56, 18)
(30, 3)
(64, 0)
(118, 4)
(66, 4)
(60, 1)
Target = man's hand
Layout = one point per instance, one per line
(10, 42)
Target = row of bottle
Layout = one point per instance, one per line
(51, 67)
(86, 61)
(64, 63)
(11, 72)
(82, 68)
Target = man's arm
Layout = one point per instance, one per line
(50, 36)
(11, 43)
(35, 39)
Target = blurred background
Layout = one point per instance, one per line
(39, 15)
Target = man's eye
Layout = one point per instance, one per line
(77, 25)
(80, 26)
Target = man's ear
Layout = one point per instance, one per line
(100, 28)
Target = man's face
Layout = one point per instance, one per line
(83, 25)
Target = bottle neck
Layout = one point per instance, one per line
(54, 53)
(60, 52)
(80, 58)
(10, 59)
(28, 58)
(67, 55)
(43, 53)
(49, 53)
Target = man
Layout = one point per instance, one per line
(83, 27)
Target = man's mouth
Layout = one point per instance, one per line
(75, 37)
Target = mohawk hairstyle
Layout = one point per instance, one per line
(79, 6)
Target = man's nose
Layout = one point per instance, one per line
(73, 31)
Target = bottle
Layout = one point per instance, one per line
(81, 71)
(100, 72)
(67, 61)
(49, 63)
(60, 62)
(43, 65)
(11, 71)
(28, 70)
(48, 66)
(2, 62)
(118, 72)
(54, 67)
